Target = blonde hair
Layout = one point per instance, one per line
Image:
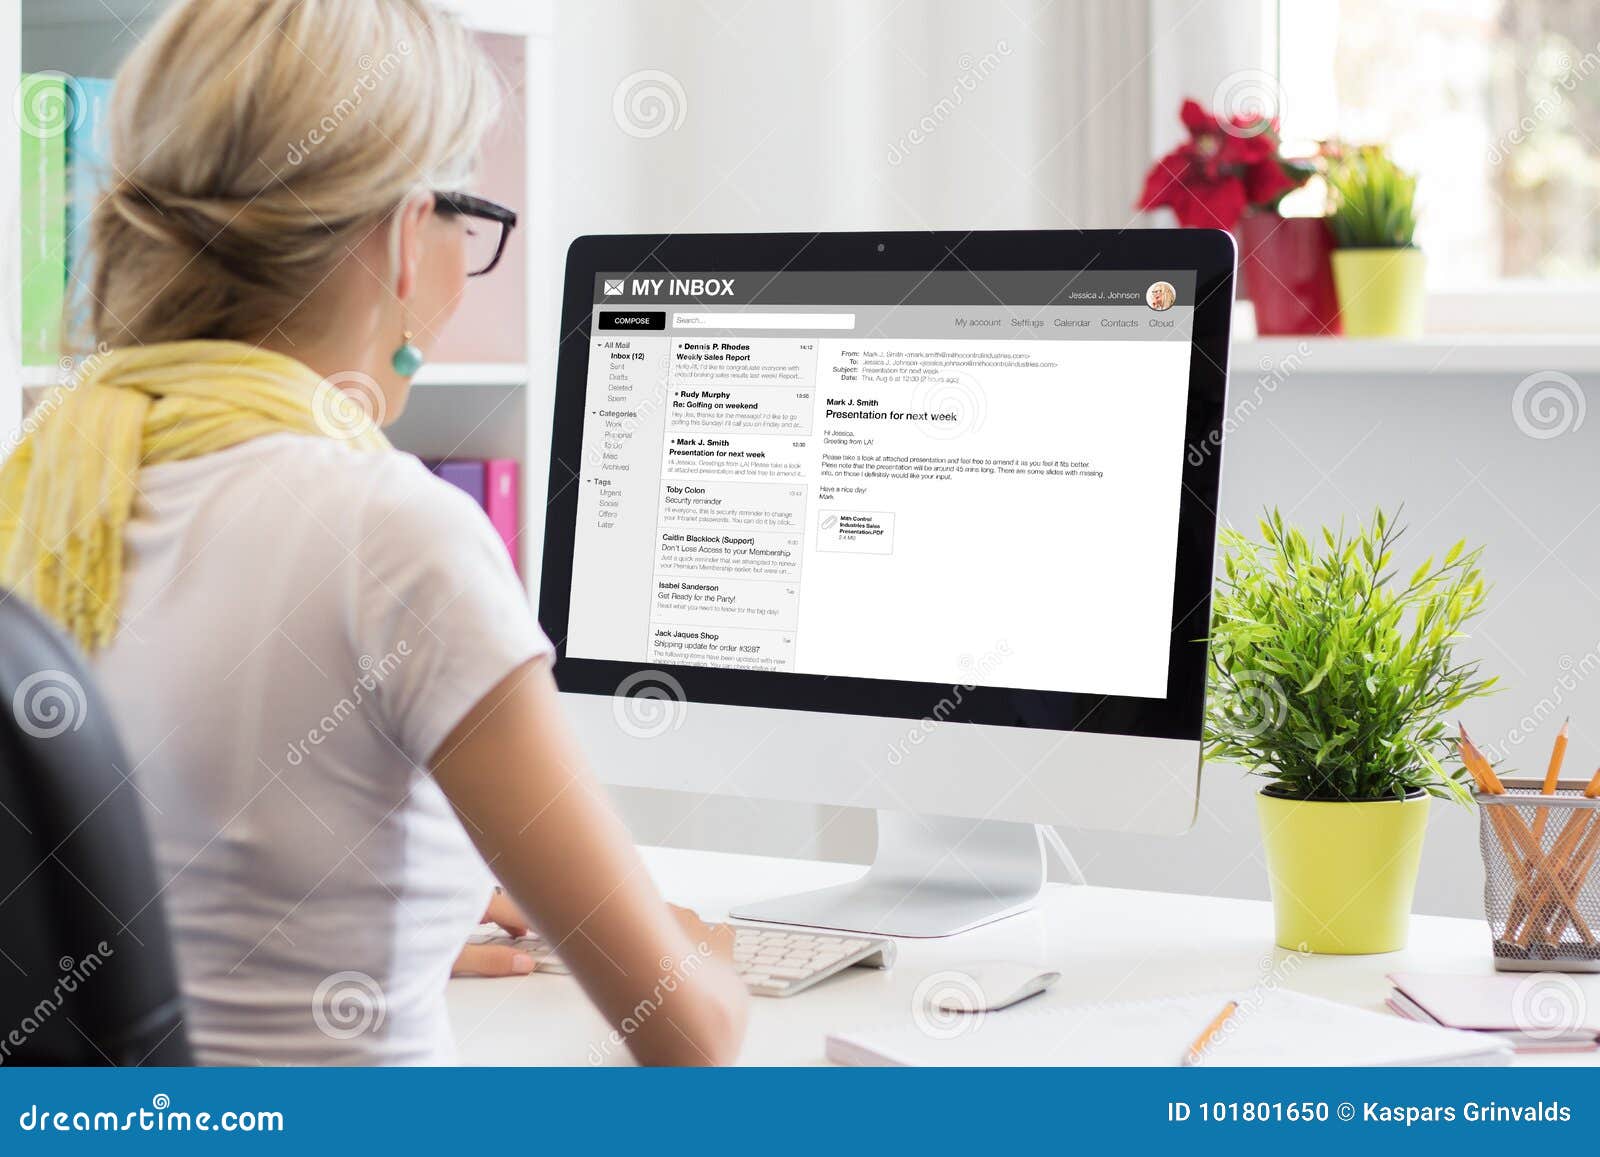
(253, 143)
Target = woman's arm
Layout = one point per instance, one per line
(515, 775)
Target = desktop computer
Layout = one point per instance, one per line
(919, 522)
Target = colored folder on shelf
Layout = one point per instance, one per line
(502, 504)
(44, 111)
(87, 161)
(464, 474)
(492, 483)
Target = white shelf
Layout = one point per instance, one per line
(1438, 354)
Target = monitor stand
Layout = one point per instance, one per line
(932, 876)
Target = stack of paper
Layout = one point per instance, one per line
(1532, 1012)
(1271, 1027)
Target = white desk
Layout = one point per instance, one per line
(1108, 943)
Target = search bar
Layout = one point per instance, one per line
(763, 321)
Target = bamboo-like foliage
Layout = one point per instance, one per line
(1329, 677)
(1374, 201)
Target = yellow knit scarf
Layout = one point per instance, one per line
(67, 489)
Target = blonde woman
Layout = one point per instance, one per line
(335, 699)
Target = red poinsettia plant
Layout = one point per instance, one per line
(1224, 168)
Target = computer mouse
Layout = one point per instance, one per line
(993, 985)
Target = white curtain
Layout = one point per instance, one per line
(850, 114)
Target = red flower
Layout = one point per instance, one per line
(1220, 171)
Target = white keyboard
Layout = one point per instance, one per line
(770, 961)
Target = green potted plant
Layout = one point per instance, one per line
(1335, 680)
(1377, 268)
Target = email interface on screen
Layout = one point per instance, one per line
(951, 477)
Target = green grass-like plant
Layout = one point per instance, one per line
(1330, 678)
(1374, 201)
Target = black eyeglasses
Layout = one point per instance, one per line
(487, 244)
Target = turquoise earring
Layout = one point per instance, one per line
(407, 359)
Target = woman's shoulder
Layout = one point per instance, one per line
(386, 491)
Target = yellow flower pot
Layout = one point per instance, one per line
(1380, 291)
(1342, 874)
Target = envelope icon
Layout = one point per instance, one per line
(613, 286)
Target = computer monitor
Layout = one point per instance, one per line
(920, 522)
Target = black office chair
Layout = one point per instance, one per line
(87, 974)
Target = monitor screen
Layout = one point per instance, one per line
(960, 477)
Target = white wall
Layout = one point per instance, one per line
(1327, 444)
(801, 116)
(789, 113)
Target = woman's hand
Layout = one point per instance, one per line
(716, 938)
(497, 959)
(515, 773)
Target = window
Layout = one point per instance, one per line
(1495, 103)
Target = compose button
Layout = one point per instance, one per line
(632, 319)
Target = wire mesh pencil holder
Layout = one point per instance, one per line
(1541, 877)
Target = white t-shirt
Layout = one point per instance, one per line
(303, 625)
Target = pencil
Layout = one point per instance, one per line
(1482, 772)
(1507, 826)
(1552, 776)
(1576, 869)
(1575, 865)
(1197, 1051)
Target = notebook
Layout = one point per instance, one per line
(1532, 1012)
(1276, 1028)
